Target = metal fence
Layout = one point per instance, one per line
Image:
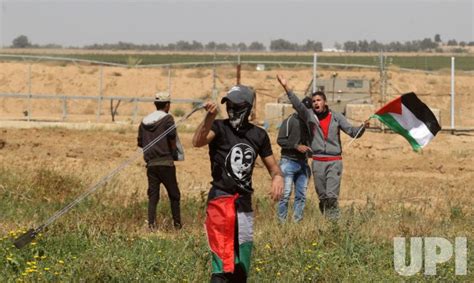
(97, 87)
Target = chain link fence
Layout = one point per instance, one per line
(61, 89)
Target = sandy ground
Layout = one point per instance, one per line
(379, 166)
(83, 80)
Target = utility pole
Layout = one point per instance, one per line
(2, 24)
(238, 67)
(382, 77)
(315, 64)
(333, 75)
(452, 94)
(214, 76)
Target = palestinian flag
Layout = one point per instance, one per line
(410, 117)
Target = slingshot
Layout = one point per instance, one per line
(30, 235)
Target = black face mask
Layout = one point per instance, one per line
(238, 114)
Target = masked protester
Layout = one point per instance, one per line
(234, 145)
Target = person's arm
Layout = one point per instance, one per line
(139, 137)
(292, 141)
(347, 128)
(300, 108)
(204, 135)
(169, 122)
(277, 177)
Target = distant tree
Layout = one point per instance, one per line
(282, 45)
(21, 42)
(363, 46)
(350, 46)
(437, 38)
(428, 44)
(374, 46)
(471, 43)
(462, 43)
(171, 47)
(452, 42)
(222, 47)
(256, 46)
(196, 46)
(182, 45)
(211, 46)
(242, 46)
(394, 46)
(337, 46)
(310, 45)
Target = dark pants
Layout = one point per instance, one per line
(239, 276)
(165, 175)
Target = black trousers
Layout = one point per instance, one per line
(165, 175)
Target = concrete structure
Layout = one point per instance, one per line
(276, 112)
(357, 113)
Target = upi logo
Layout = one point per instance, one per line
(436, 250)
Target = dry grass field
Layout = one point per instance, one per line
(387, 189)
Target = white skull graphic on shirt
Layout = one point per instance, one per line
(239, 163)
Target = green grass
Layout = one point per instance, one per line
(104, 239)
(421, 62)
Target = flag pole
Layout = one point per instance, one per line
(358, 132)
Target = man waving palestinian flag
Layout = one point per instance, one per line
(410, 117)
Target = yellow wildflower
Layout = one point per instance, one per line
(60, 261)
(46, 268)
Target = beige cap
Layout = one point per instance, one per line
(162, 97)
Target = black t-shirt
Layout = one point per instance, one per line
(233, 155)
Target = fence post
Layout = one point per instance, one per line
(315, 63)
(135, 110)
(238, 67)
(452, 95)
(99, 98)
(29, 94)
(382, 83)
(169, 79)
(214, 76)
(64, 108)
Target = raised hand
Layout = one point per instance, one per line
(211, 107)
(282, 81)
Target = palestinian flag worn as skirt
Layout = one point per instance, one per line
(229, 234)
(410, 117)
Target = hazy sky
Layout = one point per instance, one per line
(77, 23)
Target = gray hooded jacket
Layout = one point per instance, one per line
(320, 146)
